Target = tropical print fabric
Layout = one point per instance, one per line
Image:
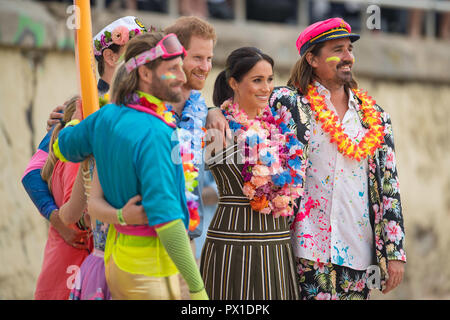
(385, 210)
(327, 281)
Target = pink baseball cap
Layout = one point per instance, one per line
(321, 31)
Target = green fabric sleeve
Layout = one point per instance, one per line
(175, 240)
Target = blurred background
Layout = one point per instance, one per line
(402, 59)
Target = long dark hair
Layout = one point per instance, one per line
(239, 62)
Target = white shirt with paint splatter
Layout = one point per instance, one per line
(333, 221)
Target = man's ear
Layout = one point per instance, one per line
(312, 60)
(110, 57)
(145, 74)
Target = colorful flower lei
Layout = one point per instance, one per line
(156, 105)
(371, 141)
(273, 172)
(103, 100)
(187, 140)
(190, 135)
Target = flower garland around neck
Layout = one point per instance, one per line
(273, 172)
(190, 134)
(371, 141)
(154, 104)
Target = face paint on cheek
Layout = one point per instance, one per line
(168, 76)
(334, 58)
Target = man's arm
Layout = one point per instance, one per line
(33, 183)
(166, 206)
(215, 120)
(100, 209)
(392, 208)
(73, 193)
(41, 196)
(55, 117)
(394, 232)
(74, 142)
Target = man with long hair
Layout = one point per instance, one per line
(108, 44)
(131, 140)
(107, 52)
(349, 221)
(348, 234)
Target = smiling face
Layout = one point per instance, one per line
(167, 80)
(198, 62)
(253, 91)
(334, 62)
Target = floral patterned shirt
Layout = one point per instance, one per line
(385, 209)
(333, 221)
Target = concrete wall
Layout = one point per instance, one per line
(29, 88)
(37, 76)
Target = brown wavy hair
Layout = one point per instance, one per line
(186, 27)
(47, 170)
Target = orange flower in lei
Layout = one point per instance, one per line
(371, 141)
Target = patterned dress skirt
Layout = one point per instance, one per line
(246, 255)
(90, 282)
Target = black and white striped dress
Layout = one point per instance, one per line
(246, 255)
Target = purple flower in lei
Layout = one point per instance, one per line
(132, 98)
(102, 40)
(247, 172)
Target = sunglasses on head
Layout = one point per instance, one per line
(168, 47)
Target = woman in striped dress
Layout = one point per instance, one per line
(247, 255)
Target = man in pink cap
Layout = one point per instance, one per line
(348, 234)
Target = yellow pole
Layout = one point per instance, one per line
(85, 59)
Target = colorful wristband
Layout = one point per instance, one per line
(54, 212)
(72, 123)
(55, 146)
(120, 217)
(57, 152)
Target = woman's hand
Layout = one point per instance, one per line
(134, 213)
(76, 238)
